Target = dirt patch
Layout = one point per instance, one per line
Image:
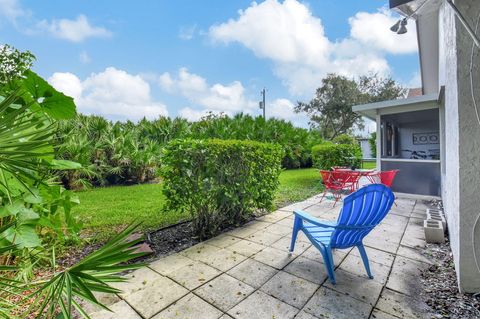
(441, 289)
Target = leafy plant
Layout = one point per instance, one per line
(220, 182)
(345, 139)
(327, 155)
(35, 212)
(372, 141)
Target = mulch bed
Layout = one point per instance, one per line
(441, 288)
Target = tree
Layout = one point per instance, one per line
(330, 111)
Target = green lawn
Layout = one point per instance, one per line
(105, 210)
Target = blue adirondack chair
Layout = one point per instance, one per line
(361, 212)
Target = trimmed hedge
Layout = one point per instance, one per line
(327, 155)
(220, 182)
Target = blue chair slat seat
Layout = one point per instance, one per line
(361, 212)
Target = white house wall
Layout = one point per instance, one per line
(461, 191)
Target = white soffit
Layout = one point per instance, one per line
(417, 103)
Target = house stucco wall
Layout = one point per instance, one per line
(461, 183)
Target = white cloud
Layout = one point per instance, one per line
(187, 33)
(195, 115)
(76, 30)
(229, 98)
(415, 81)
(371, 29)
(12, 10)
(281, 108)
(84, 57)
(294, 39)
(113, 93)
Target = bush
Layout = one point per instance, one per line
(328, 155)
(220, 182)
(345, 139)
(372, 141)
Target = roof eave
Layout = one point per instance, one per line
(370, 110)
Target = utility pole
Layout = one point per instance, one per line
(262, 102)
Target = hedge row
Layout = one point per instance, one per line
(220, 182)
(327, 155)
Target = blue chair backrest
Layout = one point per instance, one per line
(361, 212)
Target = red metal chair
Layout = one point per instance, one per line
(348, 178)
(387, 177)
(337, 181)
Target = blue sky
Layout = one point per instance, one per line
(126, 60)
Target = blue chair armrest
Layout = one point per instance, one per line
(312, 220)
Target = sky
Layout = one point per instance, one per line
(134, 59)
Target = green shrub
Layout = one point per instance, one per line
(328, 155)
(345, 139)
(220, 182)
(372, 141)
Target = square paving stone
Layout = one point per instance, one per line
(264, 238)
(413, 242)
(296, 206)
(414, 254)
(279, 229)
(409, 266)
(327, 303)
(137, 280)
(156, 296)
(308, 269)
(354, 264)
(361, 288)
(290, 289)
(381, 244)
(246, 248)
(378, 314)
(402, 306)
(118, 310)
(103, 298)
(261, 305)
(300, 238)
(377, 256)
(170, 263)
(284, 245)
(404, 283)
(252, 272)
(287, 222)
(225, 316)
(200, 251)
(194, 274)
(242, 232)
(274, 257)
(314, 254)
(305, 315)
(222, 241)
(223, 259)
(258, 224)
(275, 216)
(224, 292)
(190, 307)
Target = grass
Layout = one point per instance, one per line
(105, 210)
(369, 165)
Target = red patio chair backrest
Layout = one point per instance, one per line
(387, 177)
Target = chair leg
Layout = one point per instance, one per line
(297, 225)
(363, 253)
(329, 264)
(323, 196)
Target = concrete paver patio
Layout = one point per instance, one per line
(248, 273)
